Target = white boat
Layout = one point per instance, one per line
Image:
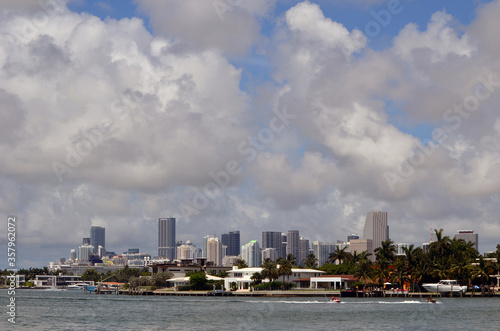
(77, 286)
(445, 286)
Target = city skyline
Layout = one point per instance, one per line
(253, 116)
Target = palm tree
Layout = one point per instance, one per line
(364, 272)
(482, 270)
(386, 252)
(240, 264)
(310, 261)
(256, 278)
(292, 259)
(441, 247)
(269, 270)
(285, 269)
(340, 254)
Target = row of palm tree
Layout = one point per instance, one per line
(446, 259)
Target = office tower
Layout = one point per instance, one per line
(251, 254)
(352, 236)
(214, 250)
(293, 244)
(204, 247)
(270, 253)
(72, 255)
(322, 251)
(376, 228)
(468, 236)
(84, 253)
(97, 237)
(304, 250)
(400, 248)
(101, 251)
(361, 245)
(271, 239)
(283, 246)
(86, 241)
(166, 238)
(232, 241)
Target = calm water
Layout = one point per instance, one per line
(74, 310)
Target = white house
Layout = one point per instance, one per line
(242, 277)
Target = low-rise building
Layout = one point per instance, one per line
(242, 277)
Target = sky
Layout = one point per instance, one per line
(264, 115)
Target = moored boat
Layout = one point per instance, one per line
(445, 286)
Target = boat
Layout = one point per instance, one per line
(335, 300)
(77, 286)
(445, 286)
(431, 300)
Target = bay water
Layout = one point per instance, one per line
(75, 310)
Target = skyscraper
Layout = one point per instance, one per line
(232, 241)
(303, 250)
(214, 251)
(97, 238)
(272, 239)
(352, 236)
(468, 236)
(322, 251)
(166, 238)
(376, 228)
(251, 254)
(293, 244)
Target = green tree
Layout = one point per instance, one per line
(269, 270)
(292, 260)
(310, 261)
(91, 275)
(198, 280)
(340, 254)
(160, 279)
(240, 264)
(386, 252)
(256, 278)
(285, 269)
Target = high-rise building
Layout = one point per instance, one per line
(214, 250)
(86, 241)
(84, 253)
(322, 251)
(72, 255)
(304, 250)
(97, 237)
(269, 253)
(468, 236)
(376, 228)
(361, 245)
(232, 241)
(204, 247)
(166, 238)
(283, 246)
(274, 240)
(251, 254)
(186, 251)
(352, 236)
(293, 244)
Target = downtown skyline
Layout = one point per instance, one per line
(264, 115)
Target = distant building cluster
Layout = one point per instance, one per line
(226, 250)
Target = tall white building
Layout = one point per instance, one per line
(186, 251)
(304, 250)
(322, 251)
(400, 248)
(214, 251)
(84, 252)
(468, 236)
(376, 228)
(251, 254)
